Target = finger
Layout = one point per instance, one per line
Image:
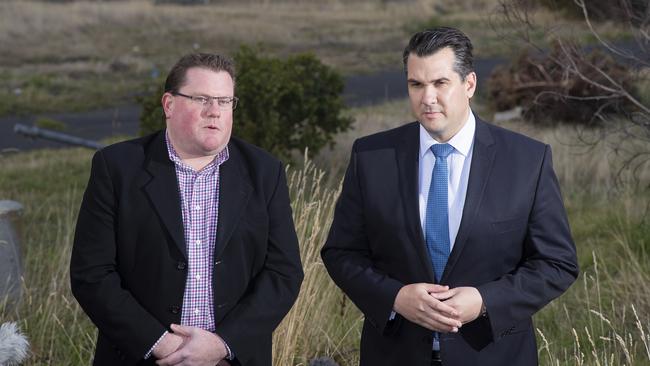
(444, 295)
(440, 319)
(446, 321)
(441, 307)
(432, 287)
(182, 330)
(172, 359)
(434, 325)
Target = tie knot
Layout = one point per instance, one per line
(441, 150)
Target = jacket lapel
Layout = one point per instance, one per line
(481, 165)
(408, 150)
(234, 192)
(162, 189)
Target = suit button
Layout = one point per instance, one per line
(175, 309)
(181, 266)
(222, 305)
(217, 262)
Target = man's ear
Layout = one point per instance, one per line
(167, 102)
(470, 84)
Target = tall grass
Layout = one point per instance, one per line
(49, 184)
(322, 320)
(604, 319)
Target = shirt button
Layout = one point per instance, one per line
(197, 277)
(197, 311)
(197, 207)
(198, 242)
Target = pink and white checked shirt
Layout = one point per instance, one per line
(199, 193)
(200, 205)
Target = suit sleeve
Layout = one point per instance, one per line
(95, 281)
(276, 286)
(549, 264)
(348, 258)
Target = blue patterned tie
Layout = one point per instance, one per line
(436, 224)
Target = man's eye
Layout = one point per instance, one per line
(224, 102)
(202, 100)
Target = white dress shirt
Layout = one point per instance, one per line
(458, 162)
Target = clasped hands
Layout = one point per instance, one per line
(438, 307)
(190, 346)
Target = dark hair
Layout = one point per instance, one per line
(176, 77)
(430, 41)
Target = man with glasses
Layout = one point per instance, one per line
(450, 233)
(185, 251)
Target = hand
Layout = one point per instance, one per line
(168, 344)
(199, 348)
(467, 301)
(418, 303)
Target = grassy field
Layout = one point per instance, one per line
(88, 55)
(604, 319)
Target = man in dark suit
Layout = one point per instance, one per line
(449, 233)
(185, 251)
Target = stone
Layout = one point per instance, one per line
(11, 270)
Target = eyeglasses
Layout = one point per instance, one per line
(224, 103)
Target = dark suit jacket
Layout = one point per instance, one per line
(129, 261)
(514, 245)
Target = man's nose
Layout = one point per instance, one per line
(212, 109)
(430, 95)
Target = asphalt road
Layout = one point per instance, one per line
(360, 90)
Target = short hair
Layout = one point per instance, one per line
(176, 77)
(430, 41)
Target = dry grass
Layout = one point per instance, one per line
(338, 32)
(90, 55)
(586, 161)
(603, 320)
(322, 320)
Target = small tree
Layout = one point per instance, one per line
(284, 105)
(625, 112)
(547, 93)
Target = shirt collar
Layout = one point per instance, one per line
(461, 141)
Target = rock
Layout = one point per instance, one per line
(323, 361)
(11, 270)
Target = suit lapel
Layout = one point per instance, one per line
(408, 150)
(162, 189)
(481, 165)
(234, 192)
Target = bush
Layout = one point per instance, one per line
(152, 118)
(50, 124)
(560, 86)
(284, 105)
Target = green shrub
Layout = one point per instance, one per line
(152, 117)
(284, 105)
(50, 124)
